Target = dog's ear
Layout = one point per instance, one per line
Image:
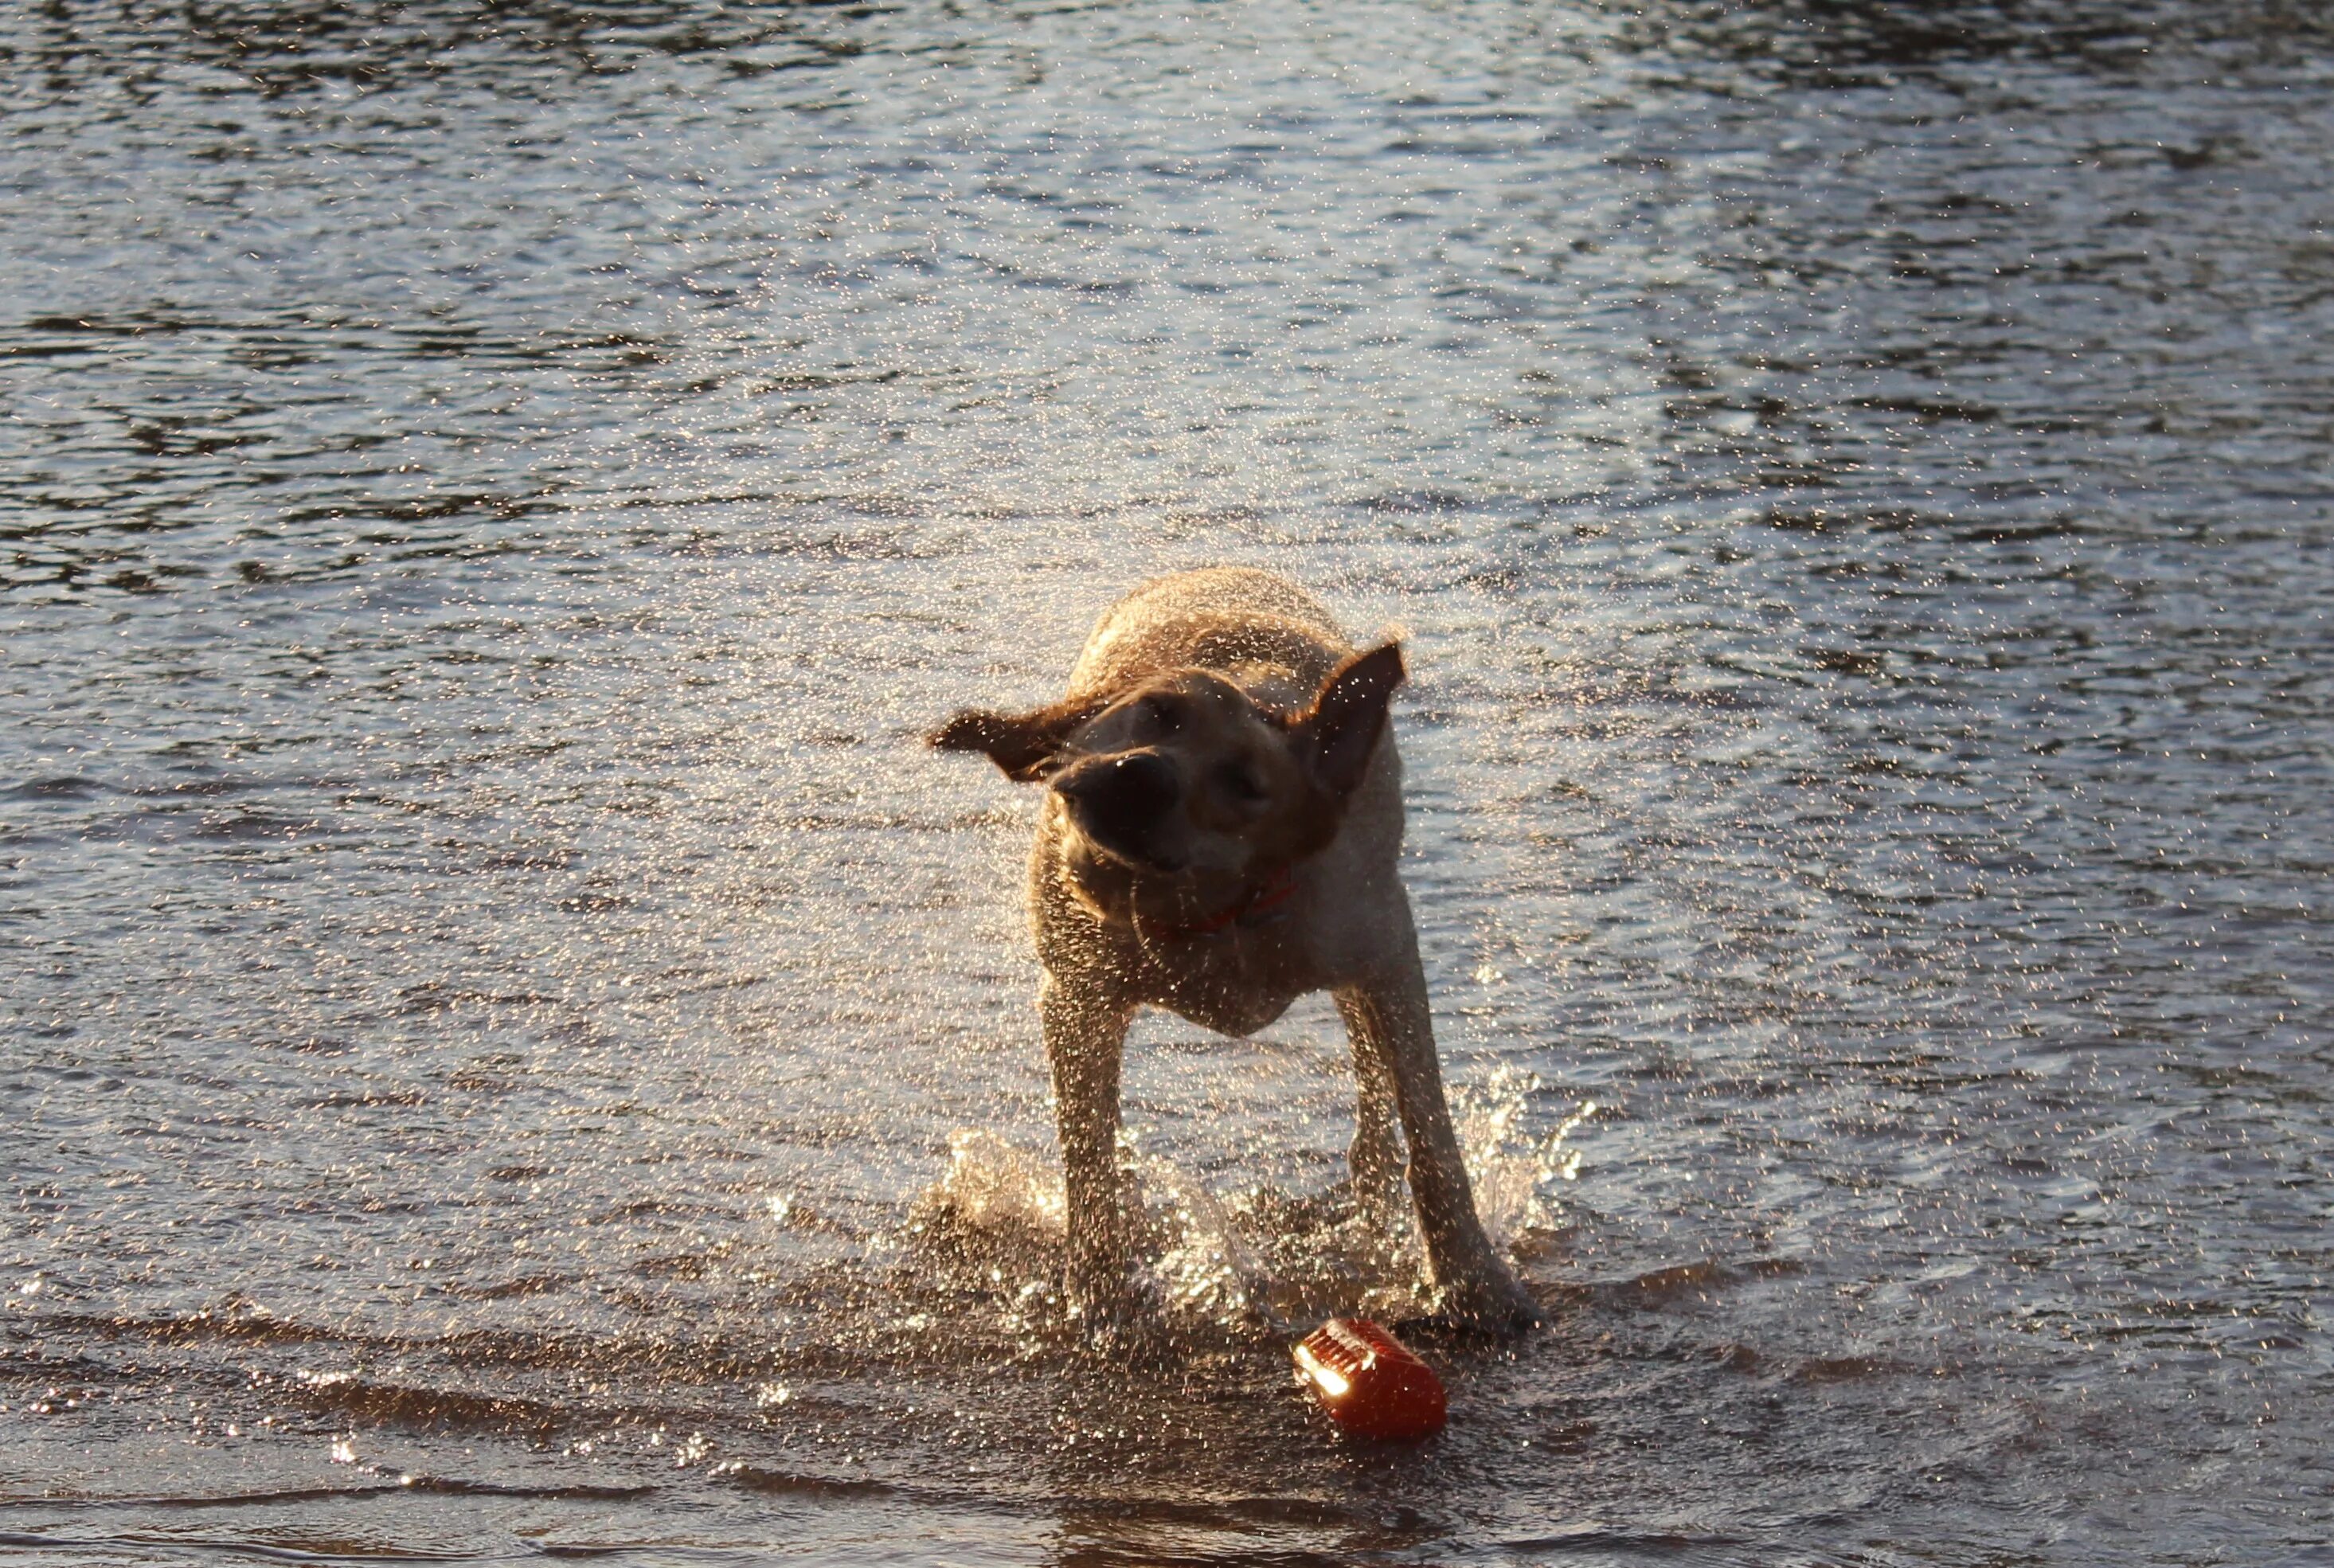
(1022, 744)
(1339, 734)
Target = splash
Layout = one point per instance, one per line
(994, 1183)
(1256, 1257)
(1207, 1271)
(1198, 1268)
(1514, 1172)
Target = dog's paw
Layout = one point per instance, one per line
(1495, 1303)
(1104, 1298)
(1381, 1202)
(1122, 1327)
(1093, 1312)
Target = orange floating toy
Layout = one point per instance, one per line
(1369, 1381)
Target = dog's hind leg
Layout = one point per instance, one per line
(1388, 1014)
(1376, 1158)
(1085, 1034)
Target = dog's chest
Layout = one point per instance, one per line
(1235, 982)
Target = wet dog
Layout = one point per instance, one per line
(1222, 816)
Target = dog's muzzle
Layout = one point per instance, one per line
(1116, 800)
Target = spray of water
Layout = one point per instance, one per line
(1255, 1256)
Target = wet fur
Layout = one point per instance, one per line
(1228, 678)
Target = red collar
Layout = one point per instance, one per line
(1269, 894)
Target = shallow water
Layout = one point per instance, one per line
(513, 1050)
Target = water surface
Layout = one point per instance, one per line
(512, 1049)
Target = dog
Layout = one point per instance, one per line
(1221, 822)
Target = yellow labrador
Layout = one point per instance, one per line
(1222, 816)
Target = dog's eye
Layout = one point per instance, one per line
(1161, 715)
(1239, 781)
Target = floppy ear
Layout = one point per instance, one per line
(1341, 732)
(1022, 744)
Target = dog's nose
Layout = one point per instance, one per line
(1121, 794)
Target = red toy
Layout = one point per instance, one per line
(1369, 1381)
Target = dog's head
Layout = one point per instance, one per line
(1186, 772)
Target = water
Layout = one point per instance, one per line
(512, 1049)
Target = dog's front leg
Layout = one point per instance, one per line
(1376, 1156)
(1388, 1016)
(1083, 1037)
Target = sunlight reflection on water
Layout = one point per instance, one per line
(511, 1041)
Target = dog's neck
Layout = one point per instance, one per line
(1253, 907)
(1167, 910)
